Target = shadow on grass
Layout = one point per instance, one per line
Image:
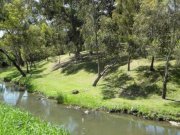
(125, 86)
(37, 71)
(42, 64)
(176, 101)
(73, 68)
(152, 76)
(174, 75)
(118, 81)
(140, 90)
(13, 74)
(89, 64)
(120, 62)
(114, 84)
(175, 104)
(71, 61)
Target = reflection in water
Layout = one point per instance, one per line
(77, 122)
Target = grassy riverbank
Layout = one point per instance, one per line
(137, 90)
(16, 122)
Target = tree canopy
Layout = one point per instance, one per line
(108, 30)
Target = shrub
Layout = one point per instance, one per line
(60, 98)
(108, 94)
(7, 79)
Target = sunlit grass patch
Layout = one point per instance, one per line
(138, 88)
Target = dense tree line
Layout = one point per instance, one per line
(107, 29)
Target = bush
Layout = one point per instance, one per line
(60, 98)
(7, 79)
(108, 94)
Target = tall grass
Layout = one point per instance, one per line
(15, 122)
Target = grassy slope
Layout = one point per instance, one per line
(126, 84)
(15, 122)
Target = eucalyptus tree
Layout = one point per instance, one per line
(18, 39)
(158, 21)
(34, 45)
(3, 14)
(124, 15)
(59, 38)
(147, 28)
(66, 14)
(94, 32)
(177, 56)
(12, 25)
(172, 36)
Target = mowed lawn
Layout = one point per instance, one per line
(137, 89)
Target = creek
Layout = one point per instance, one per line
(80, 121)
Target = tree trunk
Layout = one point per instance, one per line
(14, 63)
(102, 73)
(99, 65)
(97, 80)
(152, 64)
(98, 58)
(173, 44)
(165, 80)
(34, 65)
(17, 55)
(27, 67)
(30, 65)
(129, 63)
(99, 72)
(77, 55)
(59, 59)
(62, 52)
(20, 59)
(91, 52)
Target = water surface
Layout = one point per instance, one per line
(79, 123)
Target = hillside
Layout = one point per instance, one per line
(138, 89)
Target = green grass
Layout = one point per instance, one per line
(16, 122)
(138, 88)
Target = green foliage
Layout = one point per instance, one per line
(60, 98)
(108, 94)
(113, 31)
(14, 121)
(177, 57)
(7, 79)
